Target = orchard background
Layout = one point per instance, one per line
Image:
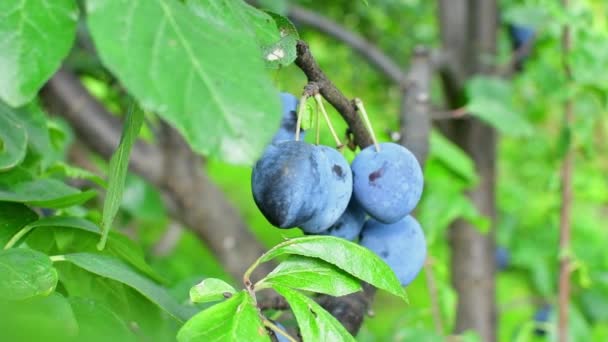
(509, 126)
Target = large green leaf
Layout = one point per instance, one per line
(119, 164)
(203, 76)
(97, 322)
(490, 99)
(314, 275)
(13, 217)
(275, 35)
(35, 35)
(115, 269)
(25, 273)
(348, 256)
(118, 244)
(235, 319)
(314, 322)
(42, 318)
(13, 139)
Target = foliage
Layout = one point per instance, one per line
(211, 69)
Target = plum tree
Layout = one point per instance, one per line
(401, 245)
(387, 183)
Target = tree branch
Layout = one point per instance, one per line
(415, 106)
(333, 95)
(190, 196)
(367, 50)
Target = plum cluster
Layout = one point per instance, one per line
(297, 184)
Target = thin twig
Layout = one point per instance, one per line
(432, 287)
(564, 224)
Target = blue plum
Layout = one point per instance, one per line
(542, 317)
(521, 35)
(388, 184)
(349, 224)
(287, 130)
(503, 258)
(337, 186)
(401, 245)
(285, 182)
(280, 337)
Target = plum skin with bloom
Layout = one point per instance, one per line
(401, 245)
(387, 183)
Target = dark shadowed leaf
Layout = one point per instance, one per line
(13, 217)
(115, 269)
(25, 273)
(313, 275)
(235, 319)
(117, 245)
(44, 192)
(314, 322)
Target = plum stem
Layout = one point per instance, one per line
(277, 330)
(301, 108)
(317, 127)
(319, 100)
(361, 109)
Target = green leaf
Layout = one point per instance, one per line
(142, 200)
(74, 172)
(453, 158)
(490, 99)
(115, 269)
(95, 319)
(48, 318)
(25, 273)
(211, 290)
(13, 139)
(314, 322)
(204, 76)
(283, 52)
(13, 217)
(118, 244)
(235, 319)
(348, 256)
(119, 164)
(311, 274)
(35, 35)
(43, 192)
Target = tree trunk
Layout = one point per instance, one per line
(468, 33)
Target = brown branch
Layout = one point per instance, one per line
(564, 223)
(366, 49)
(415, 106)
(190, 196)
(349, 310)
(306, 62)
